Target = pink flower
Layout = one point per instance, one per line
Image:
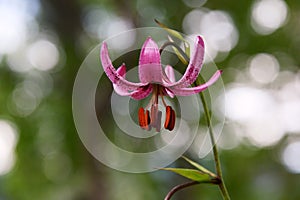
(156, 81)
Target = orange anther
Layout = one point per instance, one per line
(147, 120)
(142, 120)
(170, 118)
(172, 122)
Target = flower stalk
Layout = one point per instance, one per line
(220, 181)
(221, 184)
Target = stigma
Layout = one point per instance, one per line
(150, 117)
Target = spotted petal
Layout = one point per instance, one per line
(142, 92)
(150, 70)
(194, 66)
(197, 89)
(112, 74)
(137, 94)
(119, 90)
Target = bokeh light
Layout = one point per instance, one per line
(268, 15)
(290, 157)
(290, 112)
(43, 55)
(246, 103)
(25, 98)
(8, 141)
(263, 115)
(101, 24)
(264, 68)
(221, 37)
(18, 61)
(255, 111)
(16, 16)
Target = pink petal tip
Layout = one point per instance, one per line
(200, 40)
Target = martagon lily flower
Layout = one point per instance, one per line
(156, 81)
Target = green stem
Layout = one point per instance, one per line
(221, 184)
(215, 150)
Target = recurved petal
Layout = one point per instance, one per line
(197, 89)
(170, 73)
(149, 63)
(119, 90)
(138, 94)
(112, 74)
(194, 67)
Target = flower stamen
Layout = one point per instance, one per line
(152, 118)
(144, 118)
(147, 118)
(170, 118)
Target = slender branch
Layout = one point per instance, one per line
(215, 150)
(180, 187)
(177, 47)
(188, 184)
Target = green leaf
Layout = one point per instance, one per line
(191, 174)
(200, 167)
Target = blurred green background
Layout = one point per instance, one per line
(43, 43)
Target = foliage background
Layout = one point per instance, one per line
(43, 43)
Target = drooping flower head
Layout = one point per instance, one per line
(156, 81)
